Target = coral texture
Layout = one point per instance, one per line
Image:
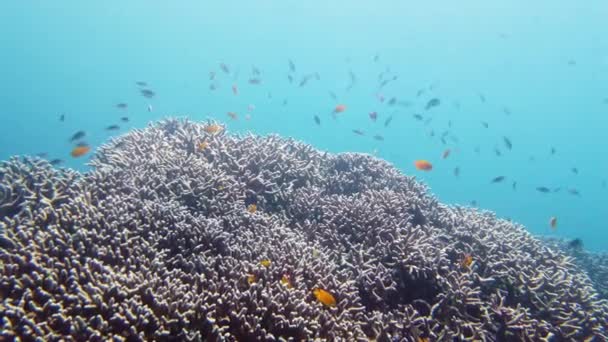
(160, 242)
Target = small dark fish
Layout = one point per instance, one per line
(449, 123)
(404, 104)
(353, 80)
(290, 78)
(56, 161)
(42, 155)
(147, 93)
(434, 102)
(373, 116)
(113, 128)
(384, 83)
(428, 121)
(485, 124)
(474, 203)
(392, 101)
(388, 121)
(497, 152)
(378, 137)
(553, 150)
(122, 105)
(571, 62)
(317, 120)
(292, 66)
(255, 81)
(333, 95)
(507, 142)
(575, 171)
(376, 58)
(506, 110)
(224, 68)
(514, 186)
(432, 133)
(211, 75)
(82, 144)
(456, 171)
(498, 179)
(482, 98)
(285, 102)
(255, 71)
(62, 117)
(77, 136)
(358, 132)
(606, 101)
(124, 119)
(604, 184)
(477, 149)
(141, 83)
(212, 86)
(543, 189)
(574, 192)
(317, 76)
(576, 244)
(418, 117)
(558, 189)
(420, 92)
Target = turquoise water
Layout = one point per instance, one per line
(546, 62)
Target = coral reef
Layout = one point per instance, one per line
(160, 242)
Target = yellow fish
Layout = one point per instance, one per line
(265, 262)
(202, 145)
(251, 278)
(324, 297)
(467, 261)
(286, 280)
(252, 208)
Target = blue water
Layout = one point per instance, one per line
(546, 61)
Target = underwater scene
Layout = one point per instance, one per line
(303, 170)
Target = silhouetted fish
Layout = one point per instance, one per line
(482, 98)
(77, 136)
(378, 137)
(388, 121)
(333, 95)
(292, 66)
(124, 119)
(574, 192)
(543, 189)
(62, 117)
(498, 179)
(456, 171)
(317, 120)
(507, 143)
(575, 171)
(514, 185)
(485, 124)
(418, 117)
(553, 150)
(56, 161)
(358, 132)
(434, 102)
(112, 128)
(576, 244)
(224, 68)
(147, 93)
(122, 105)
(141, 83)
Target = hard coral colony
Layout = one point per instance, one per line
(163, 254)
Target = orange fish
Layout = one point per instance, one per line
(339, 108)
(423, 165)
(324, 297)
(80, 151)
(202, 145)
(467, 261)
(553, 222)
(235, 89)
(233, 115)
(286, 280)
(252, 208)
(213, 128)
(446, 153)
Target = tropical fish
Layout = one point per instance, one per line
(233, 115)
(80, 151)
(255, 80)
(497, 152)
(235, 89)
(388, 121)
(124, 119)
(553, 222)
(466, 261)
(373, 116)
(434, 102)
(324, 297)
(141, 83)
(456, 171)
(77, 136)
(211, 75)
(317, 120)
(286, 281)
(418, 117)
(423, 165)
(543, 189)
(202, 145)
(56, 161)
(251, 278)
(507, 142)
(122, 105)
(252, 208)
(339, 108)
(213, 128)
(147, 93)
(446, 153)
(224, 68)
(112, 128)
(358, 132)
(265, 262)
(498, 179)
(392, 101)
